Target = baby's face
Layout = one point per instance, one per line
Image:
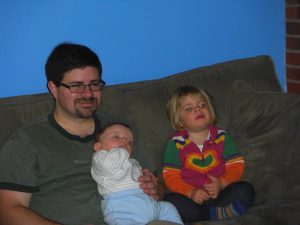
(116, 136)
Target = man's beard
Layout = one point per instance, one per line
(86, 112)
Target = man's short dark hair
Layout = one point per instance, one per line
(66, 57)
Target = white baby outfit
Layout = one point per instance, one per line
(124, 202)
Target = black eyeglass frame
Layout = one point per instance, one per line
(83, 86)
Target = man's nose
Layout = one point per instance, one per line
(87, 90)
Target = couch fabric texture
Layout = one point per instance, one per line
(263, 121)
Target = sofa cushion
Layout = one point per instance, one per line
(148, 116)
(264, 126)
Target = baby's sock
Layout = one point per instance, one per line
(233, 209)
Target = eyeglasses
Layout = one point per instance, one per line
(80, 87)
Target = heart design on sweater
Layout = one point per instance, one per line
(202, 162)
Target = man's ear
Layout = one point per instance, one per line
(52, 88)
(97, 146)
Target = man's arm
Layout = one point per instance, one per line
(14, 210)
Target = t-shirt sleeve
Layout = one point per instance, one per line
(18, 164)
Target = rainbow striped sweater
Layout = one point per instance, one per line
(185, 167)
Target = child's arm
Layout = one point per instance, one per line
(234, 168)
(172, 173)
(234, 162)
(174, 182)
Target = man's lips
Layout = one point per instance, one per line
(86, 103)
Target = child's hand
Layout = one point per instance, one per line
(214, 187)
(199, 195)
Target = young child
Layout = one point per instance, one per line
(202, 167)
(117, 174)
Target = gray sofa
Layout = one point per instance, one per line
(264, 122)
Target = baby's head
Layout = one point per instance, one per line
(176, 104)
(114, 135)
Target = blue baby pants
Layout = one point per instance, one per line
(134, 207)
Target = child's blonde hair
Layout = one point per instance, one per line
(175, 102)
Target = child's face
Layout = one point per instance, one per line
(114, 137)
(194, 113)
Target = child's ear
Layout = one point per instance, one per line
(97, 146)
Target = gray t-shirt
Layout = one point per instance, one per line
(43, 159)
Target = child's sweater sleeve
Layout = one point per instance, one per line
(234, 161)
(172, 172)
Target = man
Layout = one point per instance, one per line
(45, 165)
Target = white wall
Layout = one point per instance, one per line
(136, 39)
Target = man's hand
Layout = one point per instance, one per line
(149, 183)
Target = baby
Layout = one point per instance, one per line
(124, 202)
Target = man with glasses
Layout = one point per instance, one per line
(45, 165)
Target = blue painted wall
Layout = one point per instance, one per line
(136, 39)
